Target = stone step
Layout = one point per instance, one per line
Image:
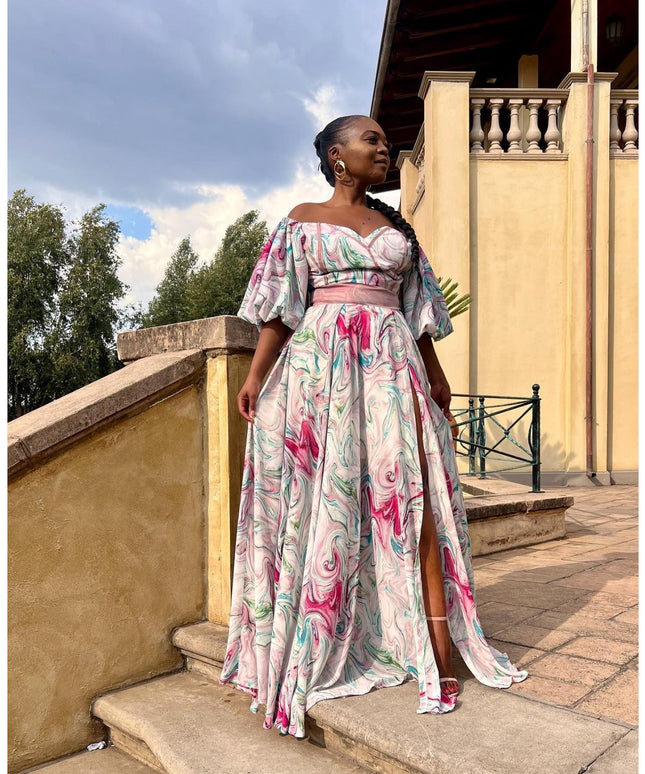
(491, 731)
(110, 760)
(183, 723)
(203, 646)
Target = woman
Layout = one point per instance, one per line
(352, 561)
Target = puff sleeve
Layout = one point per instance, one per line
(422, 302)
(279, 281)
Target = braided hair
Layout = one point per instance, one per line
(335, 132)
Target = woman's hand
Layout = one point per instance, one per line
(247, 397)
(440, 394)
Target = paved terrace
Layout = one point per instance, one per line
(567, 610)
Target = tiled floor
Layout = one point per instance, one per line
(567, 610)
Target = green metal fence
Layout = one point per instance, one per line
(490, 431)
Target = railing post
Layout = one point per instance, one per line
(534, 438)
(471, 427)
(481, 438)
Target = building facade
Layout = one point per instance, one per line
(521, 180)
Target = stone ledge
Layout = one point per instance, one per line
(61, 422)
(225, 334)
(502, 505)
(204, 638)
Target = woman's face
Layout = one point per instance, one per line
(364, 150)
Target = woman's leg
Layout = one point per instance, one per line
(431, 572)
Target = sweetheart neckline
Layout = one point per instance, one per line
(349, 228)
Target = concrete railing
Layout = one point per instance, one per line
(511, 120)
(123, 499)
(623, 134)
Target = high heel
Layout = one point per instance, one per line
(455, 690)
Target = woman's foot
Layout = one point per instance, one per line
(442, 649)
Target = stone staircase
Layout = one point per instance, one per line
(186, 723)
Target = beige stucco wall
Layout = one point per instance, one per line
(106, 557)
(518, 258)
(516, 273)
(623, 316)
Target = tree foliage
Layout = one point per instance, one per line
(63, 292)
(172, 300)
(189, 291)
(220, 285)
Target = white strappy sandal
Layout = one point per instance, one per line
(454, 691)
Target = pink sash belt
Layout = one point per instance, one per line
(355, 293)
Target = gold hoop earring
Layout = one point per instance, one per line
(340, 175)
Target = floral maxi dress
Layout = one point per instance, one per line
(327, 598)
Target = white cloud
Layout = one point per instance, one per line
(144, 261)
(206, 221)
(323, 105)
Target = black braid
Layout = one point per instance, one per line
(398, 221)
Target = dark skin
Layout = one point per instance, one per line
(365, 153)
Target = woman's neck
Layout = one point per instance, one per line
(347, 197)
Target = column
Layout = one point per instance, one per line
(445, 232)
(578, 34)
(226, 437)
(574, 134)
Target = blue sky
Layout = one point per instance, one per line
(181, 115)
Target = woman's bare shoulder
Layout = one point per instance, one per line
(306, 211)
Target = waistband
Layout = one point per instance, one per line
(355, 293)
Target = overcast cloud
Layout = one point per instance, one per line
(186, 113)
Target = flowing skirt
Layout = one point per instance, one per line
(327, 598)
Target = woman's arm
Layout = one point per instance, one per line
(439, 387)
(273, 334)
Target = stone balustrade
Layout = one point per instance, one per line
(623, 133)
(516, 121)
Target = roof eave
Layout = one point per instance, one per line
(389, 23)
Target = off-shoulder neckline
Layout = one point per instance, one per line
(349, 228)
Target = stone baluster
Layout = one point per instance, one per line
(421, 181)
(514, 135)
(614, 131)
(552, 134)
(630, 134)
(533, 134)
(495, 134)
(477, 133)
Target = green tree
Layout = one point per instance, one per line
(218, 287)
(37, 255)
(191, 292)
(62, 301)
(83, 339)
(172, 300)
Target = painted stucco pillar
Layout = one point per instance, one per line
(574, 134)
(578, 34)
(226, 436)
(444, 231)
